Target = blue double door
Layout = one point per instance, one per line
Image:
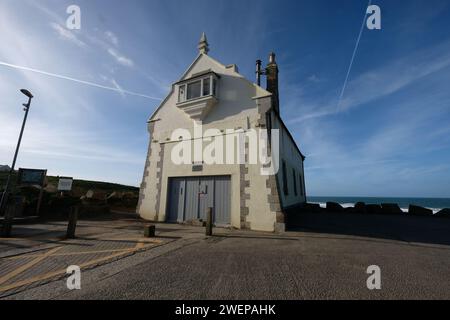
(190, 197)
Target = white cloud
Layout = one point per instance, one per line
(66, 131)
(99, 40)
(66, 34)
(387, 80)
(111, 37)
(321, 112)
(118, 87)
(120, 58)
(378, 83)
(314, 78)
(393, 156)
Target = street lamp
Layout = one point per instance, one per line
(4, 199)
(27, 93)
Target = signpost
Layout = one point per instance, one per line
(26, 177)
(65, 184)
(33, 177)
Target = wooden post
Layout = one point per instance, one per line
(38, 208)
(72, 225)
(8, 222)
(209, 221)
(149, 231)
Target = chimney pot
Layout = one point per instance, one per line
(272, 81)
(272, 57)
(258, 72)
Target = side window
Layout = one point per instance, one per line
(214, 87)
(285, 182)
(269, 128)
(206, 87)
(294, 175)
(300, 180)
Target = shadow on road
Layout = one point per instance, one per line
(229, 236)
(431, 230)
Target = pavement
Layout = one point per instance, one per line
(182, 263)
(40, 253)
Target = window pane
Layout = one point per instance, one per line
(193, 90)
(206, 87)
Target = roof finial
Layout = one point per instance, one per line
(203, 45)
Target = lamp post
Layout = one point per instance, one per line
(4, 199)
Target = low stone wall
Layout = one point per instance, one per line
(382, 209)
(404, 227)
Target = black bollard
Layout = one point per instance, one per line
(209, 221)
(8, 222)
(149, 231)
(72, 225)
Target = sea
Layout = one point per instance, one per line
(435, 204)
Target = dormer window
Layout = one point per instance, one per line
(198, 94)
(199, 86)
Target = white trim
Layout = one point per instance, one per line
(262, 97)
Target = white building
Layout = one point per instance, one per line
(229, 108)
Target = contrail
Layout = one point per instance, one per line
(79, 81)
(353, 57)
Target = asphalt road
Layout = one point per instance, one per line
(305, 266)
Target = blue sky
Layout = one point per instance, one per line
(390, 135)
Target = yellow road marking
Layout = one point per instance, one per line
(24, 256)
(140, 245)
(126, 239)
(27, 265)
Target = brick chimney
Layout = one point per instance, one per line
(272, 82)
